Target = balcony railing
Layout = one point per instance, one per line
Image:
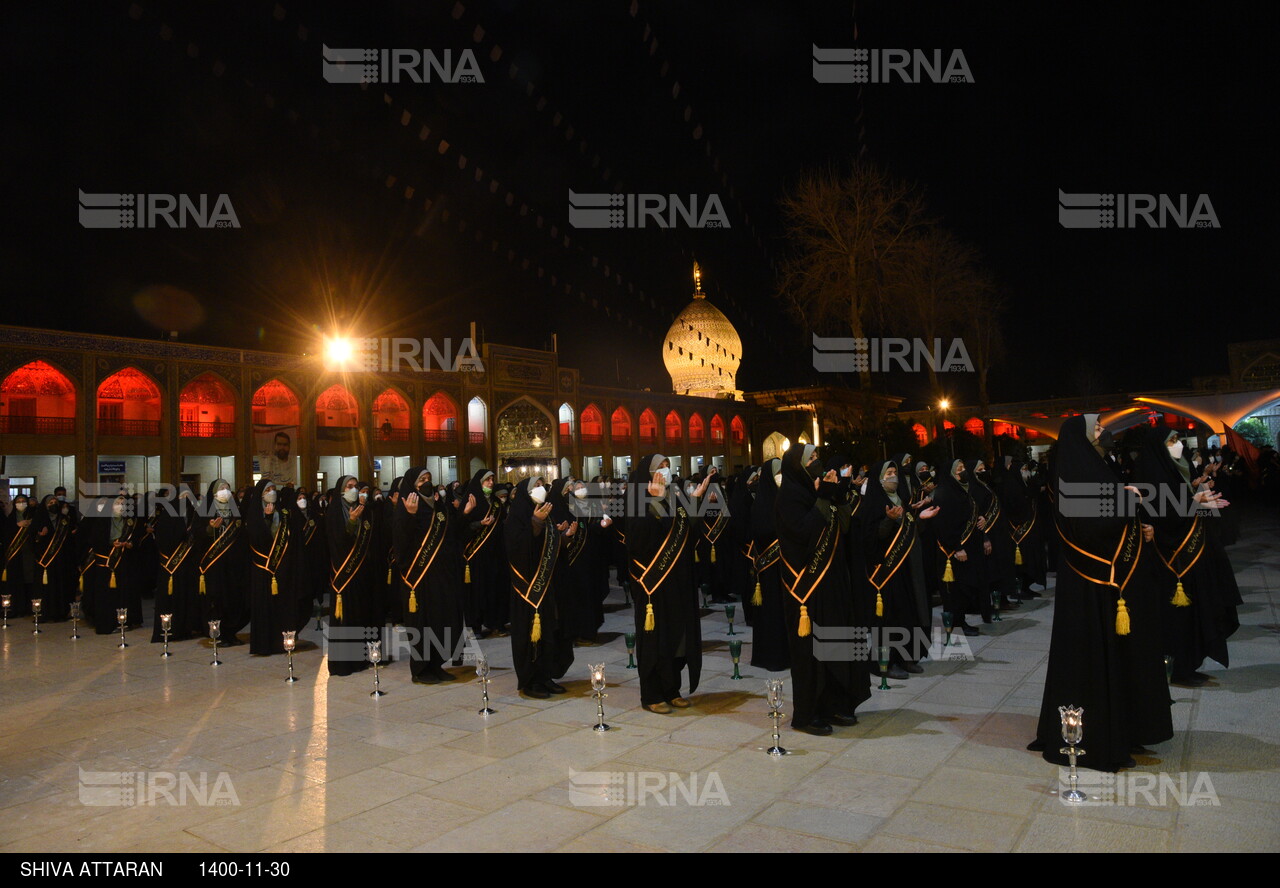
(696, 438)
(591, 439)
(37, 425)
(440, 434)
(475, 437)
(208, 429)
(648, 440)
(566, 439)
(393, 434)
(134, 427)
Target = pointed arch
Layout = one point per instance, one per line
(275, 403)
(648, 427)
(737, 430)
(391, 416)
(592, 425)
(697, 429)
(674, 428)
(620, 425)
(37, 399)
(128, 404)
(717, 429)
(440, 418)
(207, 408)
(336, 408)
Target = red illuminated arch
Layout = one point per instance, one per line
(717, 429)
(592, 424)
(648, 427)
(440, 418)
(37, 398)
(128, 404)
(336, 408)
(737, 430)
(274, 403)
(697, 429)
(207, 408)
(620, 425)
(674, 428)
(390, 416)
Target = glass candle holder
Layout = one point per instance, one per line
(735, 654)
(630, 639)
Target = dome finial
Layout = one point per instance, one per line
(697, 282)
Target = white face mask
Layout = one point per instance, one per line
(269, 496)
(580, 493)
(538, 494)
(1175, 449)
(364, 495)
(117, 508)
(223, 495)
(351, 494)
(690, 489)
(302, 503)
(777, 479)
(20, 507)
(846, 472)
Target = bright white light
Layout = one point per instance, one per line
(339, 350)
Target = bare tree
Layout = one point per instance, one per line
(847, 231)
(984, 340)
(929, 291)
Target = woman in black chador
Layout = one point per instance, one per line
(533, 548)
(958, 545)
(997, 543)
(890, 537)
(425, 532)
(769, 647)
(659, 540)
(272, 534)
(483, 571)
(177, 588)
(224, 562)
(1197, 591)
(350, 533)
(1020, 495)
(741, 494)
(110, 582)
(812, 532)
(1105, 654)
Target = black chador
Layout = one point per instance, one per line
(1104, 653)
(177, 590)
(350, 534)
(484, 573)
(224, 563)
(538, 650)
(769, 647)
(658, 535)
(816, 590)
(958, 543)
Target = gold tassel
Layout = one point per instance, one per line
(4, 574)
(1180, 598)
(1122, 618)
(413, 600)
(46, 577)
(696, 559)
(805, 625)
(275, 587)
(113, 580)
(337, 606)
(879, 604)
(948, 575)
(170, 584)
(202, 586)
(466, 578)
(649, 624)
(757, 597)
(535, 634)
(389, 580)
(1017, 555)
(81, 584)
(713, 554)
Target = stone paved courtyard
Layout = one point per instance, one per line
(937, 763)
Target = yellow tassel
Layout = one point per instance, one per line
(713, 554)
(805, 625)
(81, 584)
(467, 575)
(1180, 598)
(1017, 555)
(649, 624)
(757, 597)
(46, 577)
(948, 575)
(202, 586)
(4, 574)
(1122, 618)
(170, 584)
(389, 580)
(879, 604)
(275, 587)
(337, 606)
(696, 559)
(535, 634)
(113, 580)
(413, 601)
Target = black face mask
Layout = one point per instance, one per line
(814, 469)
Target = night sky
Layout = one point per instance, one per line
(1082, 97)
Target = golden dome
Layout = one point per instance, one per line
(703, 351)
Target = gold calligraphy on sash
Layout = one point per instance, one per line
(355, 558)
(55, 545)
(484, 532)
(221, 545)
(422, 560)
(896, 554)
